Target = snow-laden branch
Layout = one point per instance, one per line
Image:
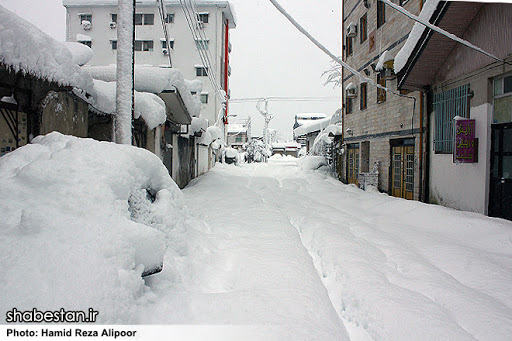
(439, 30)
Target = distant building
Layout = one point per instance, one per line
(306, 117)
(239, 132)
(306, 133)
(94, 23)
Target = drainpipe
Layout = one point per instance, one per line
(226, 67)
(421, 198)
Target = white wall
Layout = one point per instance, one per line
(463, 186)
(202, 159)
(184, 56)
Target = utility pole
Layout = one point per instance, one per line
(267, 117)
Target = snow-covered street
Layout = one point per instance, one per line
(308, 258)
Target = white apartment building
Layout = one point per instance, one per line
(93, 22)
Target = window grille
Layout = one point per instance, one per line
(447, 105)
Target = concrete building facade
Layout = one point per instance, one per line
(100, 33)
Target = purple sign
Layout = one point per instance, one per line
(466, 145)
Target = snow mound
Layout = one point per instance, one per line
(81, 221)
(310, 162)
(81, 53)
(25, 48)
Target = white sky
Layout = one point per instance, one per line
(270, 57)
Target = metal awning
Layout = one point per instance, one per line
(176, 110)
(432, 50)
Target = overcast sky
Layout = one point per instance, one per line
(270, 57)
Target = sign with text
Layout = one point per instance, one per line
(466, 145)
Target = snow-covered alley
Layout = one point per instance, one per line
(307, 258)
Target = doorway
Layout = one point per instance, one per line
(402, 169)
(352, 163)
(500, 198)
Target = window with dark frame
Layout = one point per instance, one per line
(381, 13)
(171, 44)
(381, 94)
(143, 45)
(85, 42)
(144, 19)
(403, 2)
(350, 105)
(113, 17)
(350, 48)
(203, 17)
(204, 98)
(363, 31)
(363, 104)
(86, 17)
(169, 19)
(114, 44)
(201, 71)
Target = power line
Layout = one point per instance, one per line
(285, 99)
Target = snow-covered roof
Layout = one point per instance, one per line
(224, 5)
(351, 86)
(237, 128)
(25, 48)
(153, 80)
(305, 116)
(147, 105)
(405, 52)
(312, 126)
(81, 53)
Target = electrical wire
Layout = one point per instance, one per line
(163, 17)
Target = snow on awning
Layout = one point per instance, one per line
(351, 86)
(25, 48)
(312, 126)
(157, 80)
(83, 37)
(385, 57)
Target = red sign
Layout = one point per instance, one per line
(466, 145)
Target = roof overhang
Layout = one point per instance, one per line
(176, 110)
(433, 48)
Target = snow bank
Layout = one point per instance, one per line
(153, 80)
(231, 152)
(81, 220)
(216, 132)
(25, 48)
(81, 53)
(310, 162)
(405, 52)
(147, 105)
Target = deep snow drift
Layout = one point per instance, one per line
(280, 252)
(79, 225)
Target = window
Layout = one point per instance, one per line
(204, 98)
(238, 139)
(144, 19)
(86, 17)
(350, 105)
(143, 45)
(381, 94)
(381, 13)
(349, 46)
(363, 96)
(363, 31)
(447, 105)
(502, 91)
(203, 17)
(403, 2)
(114, 44)
(113, 17)
(169, 19)
(201, 71)
(85, 42)
(202, 44)
(164, 44)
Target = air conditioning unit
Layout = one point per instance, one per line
(351, 90)
(352, 30)
(165, 51)
(112, 24)
(388, 74)
(86, 25)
